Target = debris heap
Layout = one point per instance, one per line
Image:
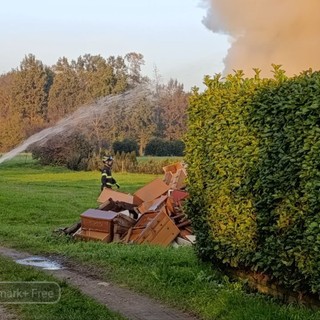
(153, 214)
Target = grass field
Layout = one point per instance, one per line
(72, 305)
(36, 200)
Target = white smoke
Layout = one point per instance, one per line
(265, 32)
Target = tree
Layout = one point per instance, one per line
(161, 147)
(11, 131)
(67, 91)
(96, 129)
(135, 61)
(71, 150)
(120, 74)
(158, 110)
(5, 94)
(30, 88)
(102, 77)
(141, 123)
(126, 146)
(173, 102)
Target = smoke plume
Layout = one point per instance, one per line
(265, 32)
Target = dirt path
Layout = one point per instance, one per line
(5, 314)
(128, 303)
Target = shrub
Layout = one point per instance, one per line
(252, 154)
(163, 148)
(126, 146)
(69, 150)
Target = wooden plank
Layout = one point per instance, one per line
(145, 219)
(161, 230)
(151, 191)
(184, 224)
(93, 235)
(98, 220)
(108, 193)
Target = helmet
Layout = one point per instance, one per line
(106, 159)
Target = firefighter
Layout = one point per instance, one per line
(107, 181)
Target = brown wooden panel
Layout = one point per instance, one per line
(152, 190)
(108, 193)
(161, 230)
(98, 220)
(145, 219)
(93, 235)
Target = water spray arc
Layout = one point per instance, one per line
(81, 116)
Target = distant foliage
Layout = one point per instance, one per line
(125, 162)
(35, 96)
(126, 146)
(128, 162)
(252, 151)
(161, 147)
(154, 165)
(72, 151)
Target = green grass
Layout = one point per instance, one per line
(72, 304)
(36, 200)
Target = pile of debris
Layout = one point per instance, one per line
(153, 214)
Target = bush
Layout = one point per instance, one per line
(72, 151)
(125, 162)
(252, 154)
(125, 146)
(163, 148)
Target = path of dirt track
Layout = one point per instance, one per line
(6, 314)
(122, 300)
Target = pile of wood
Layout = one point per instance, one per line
(153, 214)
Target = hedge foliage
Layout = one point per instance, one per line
(253, 156)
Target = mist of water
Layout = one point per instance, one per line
(80, 117)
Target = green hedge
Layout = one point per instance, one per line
(252, 151)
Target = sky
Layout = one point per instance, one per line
(170, 34)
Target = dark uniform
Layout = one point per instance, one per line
(106, 175)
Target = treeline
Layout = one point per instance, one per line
(35, 96)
